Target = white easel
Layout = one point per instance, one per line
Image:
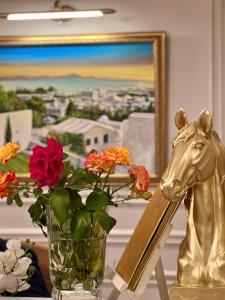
(155, 263)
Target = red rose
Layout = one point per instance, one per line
(46, 163)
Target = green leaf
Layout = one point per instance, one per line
(37, 192)
(43, 219)
(68, 168)
(92, 151)
(18, 200)
(35, 211)
(60, 203)
(107, 222)
(25, 194)
(42, 200)
(63, 179)
(31, 270)
(96, 200)
(75, 199)
(9, 200)
(81, 178)
(65, 156)
(80, 224)
(11, 185)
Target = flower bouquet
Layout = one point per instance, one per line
(73, 204)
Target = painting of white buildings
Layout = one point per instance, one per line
(21, 126)
(90, 96)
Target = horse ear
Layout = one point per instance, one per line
(181, 119)
(205, 121)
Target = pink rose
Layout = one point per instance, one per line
(46, 164)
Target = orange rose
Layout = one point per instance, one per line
(8, 151)
(141, 181)
(5, 180)
(95, 162)
(106, 161)
(118, 155)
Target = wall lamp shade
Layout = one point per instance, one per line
(56, 15)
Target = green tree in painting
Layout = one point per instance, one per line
(40, 90)
(37, 105)
(71, 109)
(23, 91)
(15, 102)
(9, 101)
(8, 131)
(77, 144)
(4, 100)
(37, 119)
(73, 140)
(51, 89)
(120, 115)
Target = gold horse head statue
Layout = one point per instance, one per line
(196, 172)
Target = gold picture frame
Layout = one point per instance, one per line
(158, 42)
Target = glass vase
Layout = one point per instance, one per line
(76, 267)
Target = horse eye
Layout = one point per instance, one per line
(199, 145)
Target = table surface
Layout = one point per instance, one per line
(23, 298)
(29, 298)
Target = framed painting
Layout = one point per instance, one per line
(87, 91)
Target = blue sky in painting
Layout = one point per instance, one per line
(76, 53)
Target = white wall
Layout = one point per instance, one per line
(219, 66)
(196, 37)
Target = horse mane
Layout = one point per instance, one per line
(216, 136)
(186, 132)
(220, 151)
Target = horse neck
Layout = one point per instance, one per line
(209, 189)
(209, 196)
(206, 212)
(214, 187)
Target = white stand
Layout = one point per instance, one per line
(155, 263)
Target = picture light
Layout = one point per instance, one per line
(60, 12)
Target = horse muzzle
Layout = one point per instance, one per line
(172, 190)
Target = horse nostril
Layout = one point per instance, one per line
(170, 188)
